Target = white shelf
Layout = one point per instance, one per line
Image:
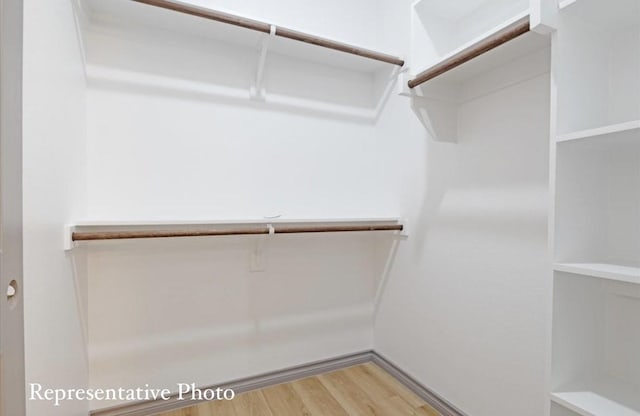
(112, 224)
(519, 47)
(587, 403)
(130, 16)
(565, 3)
(441, 28)
(125, 230)
(629, 129)
(602, 270)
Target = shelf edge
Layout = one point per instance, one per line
(558, 399)
(579, 268)
(599, 131)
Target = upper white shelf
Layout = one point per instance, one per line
(630, 129)
(448, 35)
(443, 28)
(587, 403)
(138, 16)
(616, 272)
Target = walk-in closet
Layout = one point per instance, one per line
(320, 208)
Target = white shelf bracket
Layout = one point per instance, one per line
(435, 105)
(68, 243)
(257, 91)
(433, 90)
(404, 234)
(259, 257)
(403, 85)
(544, 16)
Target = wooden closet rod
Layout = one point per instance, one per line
(266, 28)
(501, 37)
(278, 229)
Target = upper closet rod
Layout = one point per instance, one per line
(510, 32)
(266, 229)
(266, 28)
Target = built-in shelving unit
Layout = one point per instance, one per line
(469, 48)
(447, 35)
(596, 317)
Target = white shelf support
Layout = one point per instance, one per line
(257, 91)
(434, 104)
(403, 86)
(404, 234)
(259, 257)
(543, 16)
(68, 243)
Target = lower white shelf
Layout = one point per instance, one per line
(603, 270)
(628, 130)
(128, 230)
(587, 403)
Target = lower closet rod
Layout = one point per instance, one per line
(284, 229)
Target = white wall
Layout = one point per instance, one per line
(163, 312)
(466, 308)
(53, 186)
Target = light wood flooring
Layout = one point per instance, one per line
(360, 390)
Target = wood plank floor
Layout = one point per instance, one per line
(361, 390)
